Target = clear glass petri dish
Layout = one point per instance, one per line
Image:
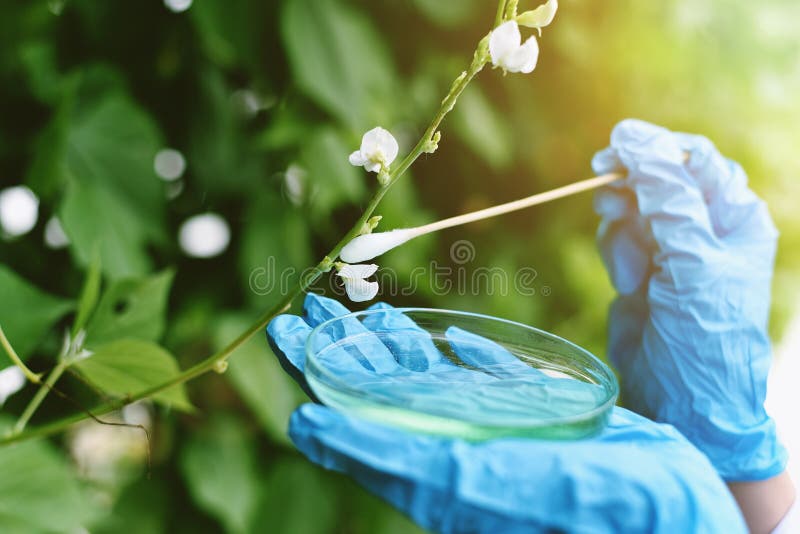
(458, 374)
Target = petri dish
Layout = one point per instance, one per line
(458, 374)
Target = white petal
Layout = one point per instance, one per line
(371, 141)
(19, 210)
(204, 236)
(368, 246)
(360, 290)
(539, 17)
(379, 145)
(505, 40)
(389, 147)
(54, 235)
(12, 379)
(357, 272)
(524, 58)
(357, 158)
(372, 167)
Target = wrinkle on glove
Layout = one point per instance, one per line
(637, 476)
(690, 249)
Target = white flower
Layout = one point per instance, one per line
(169, 164)
(54, 235)
(19, 210)
(368, 246)
(355, 283)
(204, 236)
(12, 379)
(508, 54)
(378, 150)
(540, 17)
(177, 6)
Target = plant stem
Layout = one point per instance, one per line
(479, 60)
(30, 375)
(37, 399)
(501, 8)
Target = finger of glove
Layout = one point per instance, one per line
(287, 335)
(600, 485)
(626, 252)
(737, 213)
(668, 198)
(627, 317)
(363, 346)
(607, 161)
(410, 344)
(615, 201)
(523, 388)
(486, 355)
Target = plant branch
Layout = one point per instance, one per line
(216, 360)
(30, 375)
(37, 399)
(501, 8)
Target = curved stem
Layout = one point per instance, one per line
(37, 399)
(12, 354)
(501, 8)
(479, 60)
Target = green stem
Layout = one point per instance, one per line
(501, 7)
(30, 375)
(37, 399)
(212, 362)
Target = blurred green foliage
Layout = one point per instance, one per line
(266, 99)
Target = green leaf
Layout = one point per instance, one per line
(96, 155)
(89, 295)
(219, 151)
(482, 129)
(39, 62)
(140, 509)
(289, 493)
(340, 61)
(276, 246)
(332, 179)
(448, 14)
(38, 490)
(230, 31)
(27, 313)
(95, 219)
(132, 308)
(219, 466)
(129, 366)
(258, 377)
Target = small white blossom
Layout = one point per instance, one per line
(19, 210)
(355, 284)
(540, 17)
(169, 164)
(507, 52)
(12, 379)
(378, 150)
(178, 6)
(54, 235)
(204, 236)
(368, 246)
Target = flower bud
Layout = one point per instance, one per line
(540, 17)
(368, 246)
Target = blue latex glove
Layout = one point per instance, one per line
(636, 476)
(690, 249)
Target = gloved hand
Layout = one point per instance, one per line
(636, 476)
(690, 249)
